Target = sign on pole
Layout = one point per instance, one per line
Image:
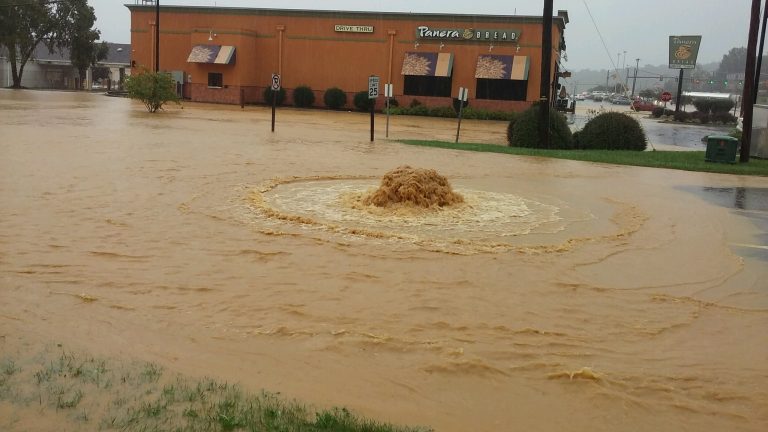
(388, 93)
(373, 93)
(275, 88)
(373, 87)
(683, 51)
(463, 97)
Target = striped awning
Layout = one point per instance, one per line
(218, 54)
(428, 64)
(502, 67)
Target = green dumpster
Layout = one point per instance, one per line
(721, 149)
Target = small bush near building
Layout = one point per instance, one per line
(681, 116)
(723, 117)
(268, 96)
(303, 97)
(335, 98)
(612, 131)
(713, 105)
(525, 132)
(152, 88)
(362, 102)
(393, 103)
(415, 103)
(657, 112)
(457, 103)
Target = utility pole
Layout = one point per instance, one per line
(749, 82)
(634, 80)
(626, 74)
(157, 35)
(546, 74)
(760, 53)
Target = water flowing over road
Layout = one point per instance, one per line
(561, 295)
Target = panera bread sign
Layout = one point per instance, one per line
(353, 28)
(424, 32)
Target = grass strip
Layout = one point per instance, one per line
(80, 392)
(680, 160)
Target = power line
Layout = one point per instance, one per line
(610, 57)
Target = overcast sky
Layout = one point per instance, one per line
(641, 27)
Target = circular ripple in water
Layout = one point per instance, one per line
(483, 219)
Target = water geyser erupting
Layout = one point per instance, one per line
(413, 186)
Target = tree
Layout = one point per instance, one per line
(154, 89)
(59, 24)
(76, 22)
(733, 62)
(650, 93)
(22, 28)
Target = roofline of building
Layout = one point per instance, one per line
(561, 19)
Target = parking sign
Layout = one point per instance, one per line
(373, 87)
(275, 82)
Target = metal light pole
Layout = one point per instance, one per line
(546, 74)
(760, 53)
(157, 35)
(634, 80)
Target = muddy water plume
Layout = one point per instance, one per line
(559, 295)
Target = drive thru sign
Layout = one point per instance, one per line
(373, 87)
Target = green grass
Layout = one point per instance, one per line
(680, 160)
(80, 392)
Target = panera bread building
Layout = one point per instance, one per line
(224, 54)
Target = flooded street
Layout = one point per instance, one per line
(563, 296)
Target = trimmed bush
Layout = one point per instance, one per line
(443, 111)
(362, 102)
(457, 103)
(393, 103)
(268, 96)
(613, 131)
(415, 103)
(681, 116)
(335, 98)
(525, 131)
(721, 106)
(723, 117)
(303, 96)
(657, 112)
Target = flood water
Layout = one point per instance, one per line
(565, 296)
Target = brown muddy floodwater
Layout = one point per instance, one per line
(559, 296)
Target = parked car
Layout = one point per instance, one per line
(642, 105)
(621, 100)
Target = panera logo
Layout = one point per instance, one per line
(424, 32)
(353, 28)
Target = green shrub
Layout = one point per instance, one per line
(457, 103)
(511, 130)
(577, 139)
(526, 130)
(335, 98)
(415, 103)
(703, 105)
(393, 103)
(362, 102)
(613, 131)
(154, 89)
(303, 96)
(419, 110)
(268, 96)
(681, 116)
(657, 112)
(723, 117)
(721, 106)
(443, 111)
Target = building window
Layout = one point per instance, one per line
(501, 89)
(215, 79)
(418, 85)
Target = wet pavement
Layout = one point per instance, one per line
(668, 135)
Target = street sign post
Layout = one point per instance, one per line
(275, 88)
(463, 97)
(388, 93)
(373, 93)
(666, 97)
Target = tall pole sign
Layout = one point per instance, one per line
(157, 35)
(373, 93)
(463, 97)
(275, 89)
(388, 93)
(749, 83)
(683, 51)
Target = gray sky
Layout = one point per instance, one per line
(640, 27)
